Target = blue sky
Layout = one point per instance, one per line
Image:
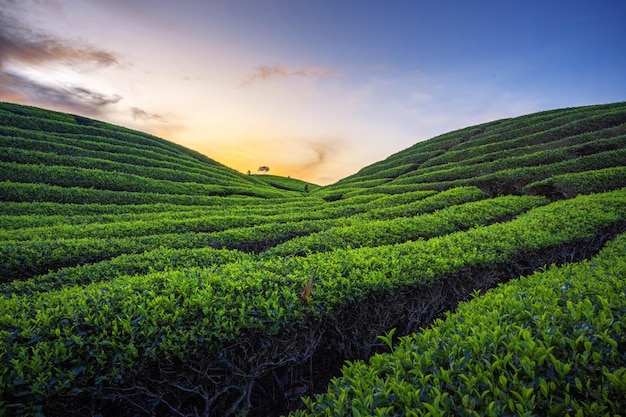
(312, 89)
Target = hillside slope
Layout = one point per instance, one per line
(527, 154)
(138, 277)
(51, 156)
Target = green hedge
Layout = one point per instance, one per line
(98, 147)
(550, 134)
(513, 181)
(571, 185)
(157, 223)
(422, 205)
(30, 192)
(520, 146)
(398, 230)
(24, 259)
(549, 344)
(160, 259)
(117, 181)
(456, 171)
(168, 174)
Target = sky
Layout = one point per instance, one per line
(313, 89)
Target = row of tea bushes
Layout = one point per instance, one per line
(497, 146)
(33, 251)
(82, 146)
(586, 182)
(39, 192)
(447, 198)
(32, 157)
(548, 344)
(208, 337)
(74, 213)
(69, 176)
(401, 229)
(456, 171)
(156, 260)
(50, 123)
(24, 259)
(168, 222)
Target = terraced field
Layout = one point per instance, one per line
(139, 277)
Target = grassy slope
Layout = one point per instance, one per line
(500, 157)
(87, 205)
(286, 183)
(39, 146)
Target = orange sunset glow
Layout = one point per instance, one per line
(314, 90)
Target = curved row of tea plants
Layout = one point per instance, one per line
(99, 148)
(586, 182)
(207, 337)
(176, 174)
(30, 192)
(24, 259)
(58, 123)
(156, 260)
(167, 222)
(50, 212)
(401, 229)
(359, 234)
(64, 176)
(469, 170)
(548, 344)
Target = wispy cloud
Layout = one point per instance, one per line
(321, 151)
(268, 72)
(15, 87)
(140, 114)
(20, 45)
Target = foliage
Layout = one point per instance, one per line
(139, 277)
(548, 344)
(109, 334)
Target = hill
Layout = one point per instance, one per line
(141, 278)
(51, 156)
(528, 154)
(287, 183)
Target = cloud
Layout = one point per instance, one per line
(22, 4)
(268, 72)
(160, 125)
(144, 115)
(73, 98)
(21, 45)
(321, 151)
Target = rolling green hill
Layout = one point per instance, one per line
(286, 183)
(138, 277)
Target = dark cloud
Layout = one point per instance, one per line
(67, 97)
(144, 115)
(21, 45)
(267, 72)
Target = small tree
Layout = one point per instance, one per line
(264, 169)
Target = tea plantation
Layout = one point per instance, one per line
(478, 273)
